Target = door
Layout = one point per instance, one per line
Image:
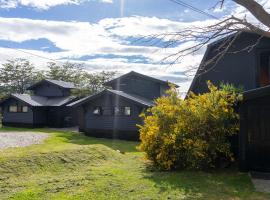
(53, 117)
(259, 138)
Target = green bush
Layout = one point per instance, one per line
(191, 133)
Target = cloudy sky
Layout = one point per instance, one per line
(104, 34)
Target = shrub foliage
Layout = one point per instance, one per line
(191, 133)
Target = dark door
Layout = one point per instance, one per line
(259, 138)
(53, 117)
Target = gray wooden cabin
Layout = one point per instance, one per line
(114, 113)
(46, 106)
(246, 69)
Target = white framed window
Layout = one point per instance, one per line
(13, 109)
(97, 110)
(24, 109)
(127, 111)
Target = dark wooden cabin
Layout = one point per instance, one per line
(246, 69)
(114, 113)
(249, 70)
(46, 106)
(255, 130)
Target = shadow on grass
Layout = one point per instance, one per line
(219, 184)
(81, 139)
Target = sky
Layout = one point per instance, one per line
(103, 34)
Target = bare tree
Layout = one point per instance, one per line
(202, 36)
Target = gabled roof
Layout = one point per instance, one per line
(62, 84)
(38, 101)
(135, 98)
(206, 54)
(132, 73)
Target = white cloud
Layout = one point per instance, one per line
(107, 37)
(41, 4)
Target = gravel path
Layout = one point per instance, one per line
(20, 139)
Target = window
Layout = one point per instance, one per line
(25, 109)
(13, 109)
(117, 110)
(122, 111)
(127, 111)
(264, 72)
(97, 110)
(18, 109)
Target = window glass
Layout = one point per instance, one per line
(13, 109)
(25, 109)
(127, 111)
(97, 110)
(117, 110)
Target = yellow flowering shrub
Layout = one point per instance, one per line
(191, 133)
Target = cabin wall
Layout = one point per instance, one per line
(139, 86)
(239, 69)
(24, 119)
(123, 127)
(254, 137)
(50, 90)
(40, 116)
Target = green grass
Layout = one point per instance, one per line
(72, 166)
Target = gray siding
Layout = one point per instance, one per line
(24, 118)
(239, 69)
(50, 90)
(111, 122)
(139, 86)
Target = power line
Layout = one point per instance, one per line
(32, 54)
(184, 4)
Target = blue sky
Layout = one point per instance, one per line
(101, 33)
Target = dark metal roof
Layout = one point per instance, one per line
(62, 84)
(135, 98)
(42, 101)
(142, 76)
(256, 93)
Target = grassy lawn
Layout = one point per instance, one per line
(72, 166)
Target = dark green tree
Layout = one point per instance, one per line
(15, 76)
(86, 83)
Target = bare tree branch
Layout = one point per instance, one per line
(256, 10)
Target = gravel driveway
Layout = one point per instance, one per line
(20, 139)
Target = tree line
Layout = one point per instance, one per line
(18, 74)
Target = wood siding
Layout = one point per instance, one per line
(255, 134)
(240, 69)
(8, 117)
(50, 90)
(140, 86)
(111, 122)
